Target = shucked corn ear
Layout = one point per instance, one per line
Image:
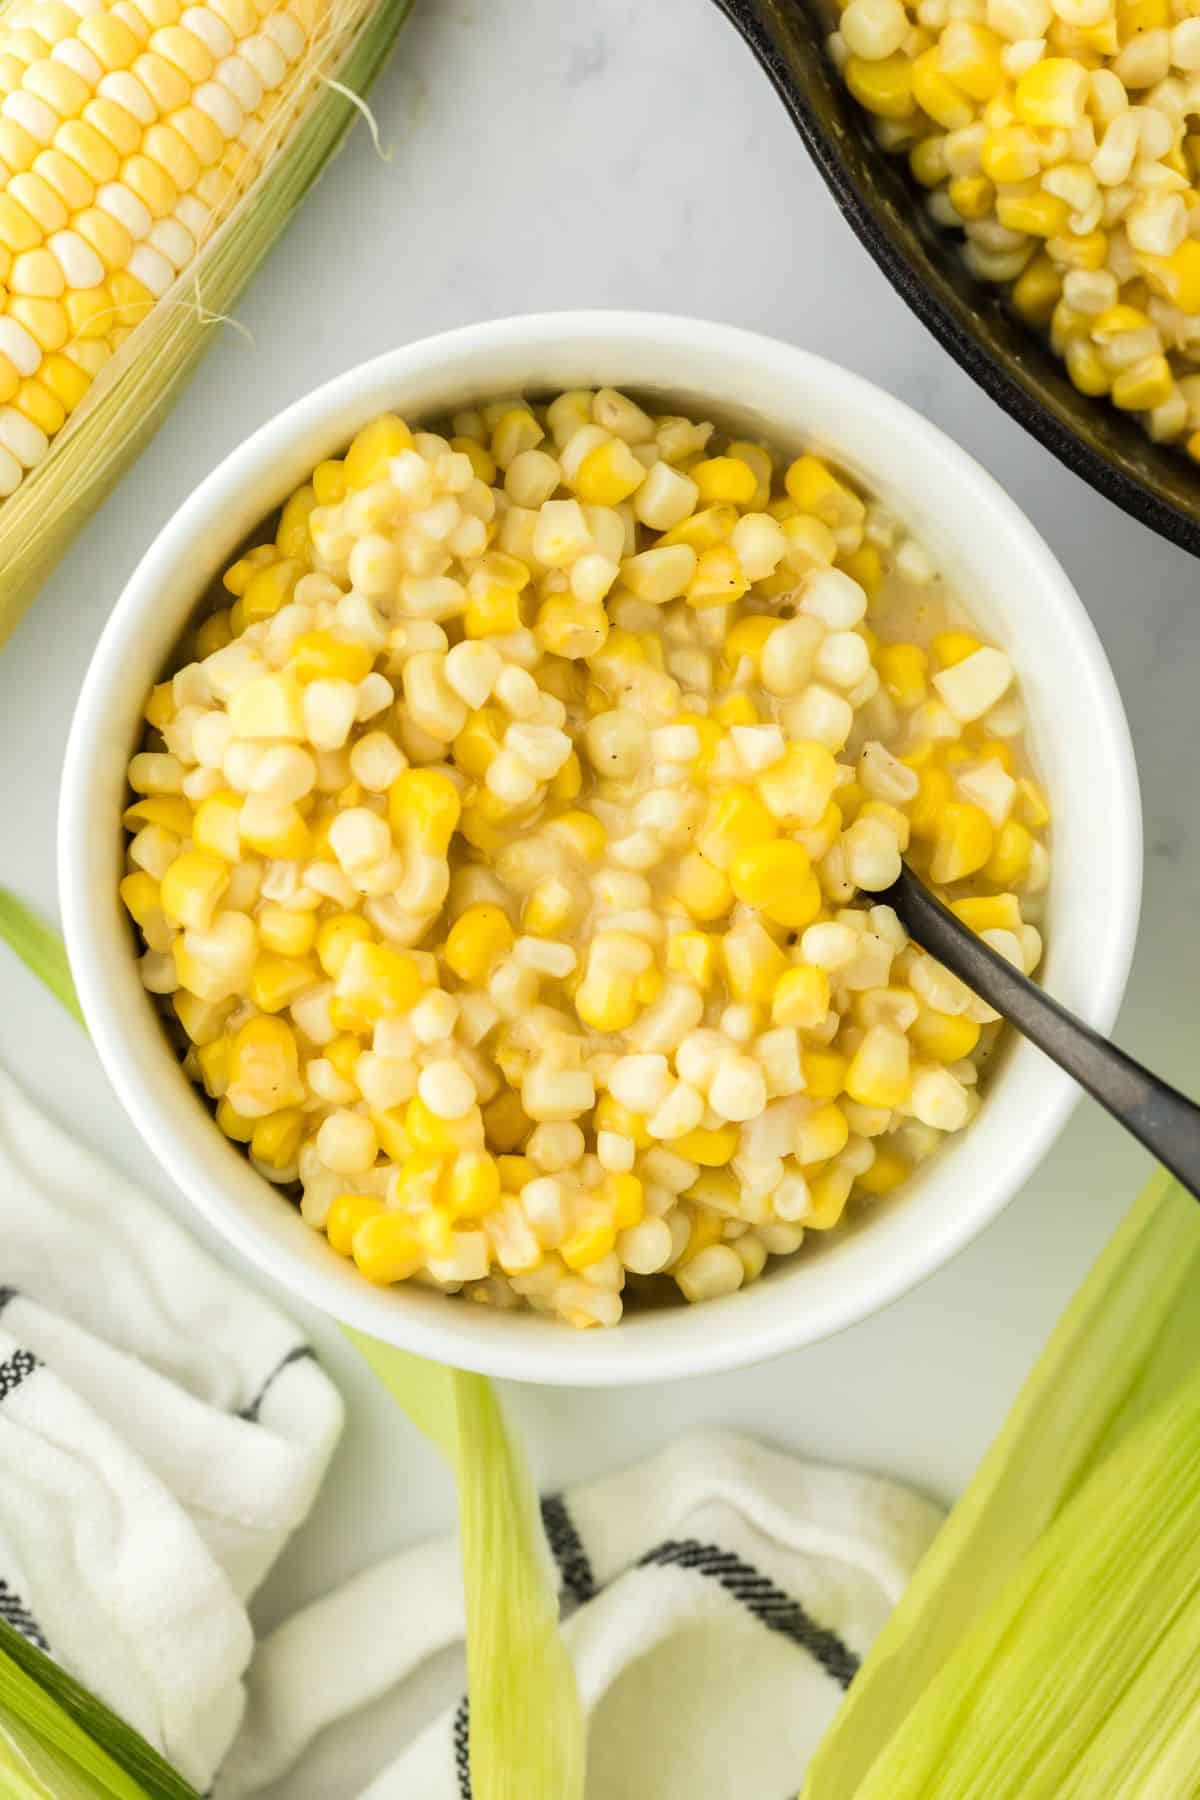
(1048, 1647)
(150, 150)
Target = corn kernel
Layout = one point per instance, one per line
(946, 1037)
(386, 1248)
(476, 942)
(822, 1134)
(711, 1149)
(801, 996)
(964, 842)
(777, 878)
(346, 1214)
(695, 954)
(368, 457)
(702, 889)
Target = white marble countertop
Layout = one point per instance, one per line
(662, 173)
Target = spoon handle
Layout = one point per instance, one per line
(1159, 1116)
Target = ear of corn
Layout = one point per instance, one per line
(98, 365)
(1048, 1645)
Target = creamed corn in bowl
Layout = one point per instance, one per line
(504, 850)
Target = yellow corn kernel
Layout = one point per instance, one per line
(171, 811)
(777, 878)
(610, 1115)
(946, 1037)
(701, 888)
(1010, 153)
(515, 1171)
(725, 478)
(1148, 384)
(590, 1243)
(192, 887)
(277, 980)
(1052, 92)
(320, 656)
(343, 1052)
(801, 997)
(735, 709)
(548, 909)
(886, 1173)
(759, 461)
(159, 709)
(989, 912)
(963, 844)
(969, 56)
(864, 565)
(213, 1060)
(336, 936)
(746, 639)
(286, 933)
(237, 577)
(1176, 277)
(494, 613)
(711, 1149)
(506, 1124)
(428, 802)
(476, 942)
(329, 482)
(233, 1123)
(427, 1132)
(35, 401)
(478, 743)
(482, 461)
(264, 1061)
(1089, 251)
(569, 627)
(1009, 861)
(203, 1020)
(695, 954)
(827, 1196)
(753, 964)
(971, 196)
(718, 579)
(347, 1213)
(951, 647)
(903, 669)
(277, 1139)
(933, 797)
(1086, 368)
(386, 1248)
(568, 782)
(927, 160)
(609, 474)
(435, 1230)
(472, 1185)
(824, 1073)
(371, 451)
(884, 87)
(628, 1200)
(607, 1002)
(268, 707)
(706, 1224)
(736, 820)
(705, 529)
(378, 981)
(141, 897)
(878, 1074)
(822, 1134)
(212, 634)
(269, 589)
(648, 986)
(284, 834)
(1037, 291)
(1040, 214)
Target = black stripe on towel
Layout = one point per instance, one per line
(302, 1353)
(14, 1612)
(462, 1747)
(566, 1546)
(768, 1603)
(6, 1294)
(18, 1368)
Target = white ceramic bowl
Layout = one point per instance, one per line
(1012, 584)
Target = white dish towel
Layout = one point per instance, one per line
(162, 1431)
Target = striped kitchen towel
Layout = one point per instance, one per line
(719, 1597)
(163, 1430)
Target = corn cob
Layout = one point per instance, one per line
(149, 153)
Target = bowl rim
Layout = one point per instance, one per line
(188, 1156)
(1009, 389)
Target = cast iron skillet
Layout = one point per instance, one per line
(1157, 485)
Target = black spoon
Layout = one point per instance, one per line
(1157, 1115)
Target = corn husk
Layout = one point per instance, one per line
(526, 1725)
(58, 1742)
(1049, 1645)
(131, 397)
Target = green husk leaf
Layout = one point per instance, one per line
(62, 1733)
(131, 400)
(39, 948)
(1077, 1518)
(527, 1732)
